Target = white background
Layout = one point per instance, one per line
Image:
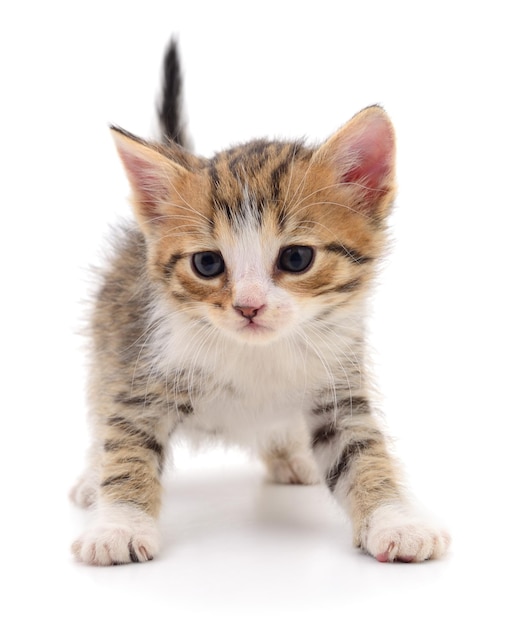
(235, 549)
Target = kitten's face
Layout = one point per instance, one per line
(268, 239)
(265, 268)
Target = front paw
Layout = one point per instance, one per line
(396, 533)
(123, 535)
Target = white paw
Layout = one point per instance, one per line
(84, 493)
(397, 533)
(121, 534)
(295, 470)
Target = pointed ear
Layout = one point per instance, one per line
(362, 157)
(152, 176)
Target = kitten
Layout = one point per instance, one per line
(234, 309)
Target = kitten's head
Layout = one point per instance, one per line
(267, 238)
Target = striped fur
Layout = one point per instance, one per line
(234, 309)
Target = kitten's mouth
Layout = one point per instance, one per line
(254, 328)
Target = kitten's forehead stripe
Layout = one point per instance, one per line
(251, 160)
(262, 165)
(281, 169)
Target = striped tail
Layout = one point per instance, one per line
(169, 112)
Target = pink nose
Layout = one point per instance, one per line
(248, 311)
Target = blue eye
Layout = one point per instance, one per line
(208, 264)
(295, 259)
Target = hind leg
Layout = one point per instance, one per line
(85, 492)
(289, 460)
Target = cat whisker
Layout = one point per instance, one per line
(301, 206)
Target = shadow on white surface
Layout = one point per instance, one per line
(235, 545)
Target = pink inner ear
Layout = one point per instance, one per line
(372, 149)
(369, 172)
(147, 180)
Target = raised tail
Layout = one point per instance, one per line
(169, 111)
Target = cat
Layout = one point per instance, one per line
(233, 309)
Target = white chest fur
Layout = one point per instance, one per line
(243, 392)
